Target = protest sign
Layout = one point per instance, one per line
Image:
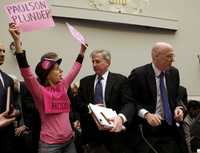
(76, 34)
(30, 15)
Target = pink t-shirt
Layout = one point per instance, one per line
(53, 105)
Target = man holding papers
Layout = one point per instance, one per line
(7, 132)
(155, 87)
(109, 90)
(102, 116)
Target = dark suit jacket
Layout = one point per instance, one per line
(8, 81)
(182, 95)
(143, 83)
(117, 96)
(7, 133)
(195, 127)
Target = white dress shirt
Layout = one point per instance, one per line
(159, 103)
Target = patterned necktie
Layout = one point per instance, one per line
(98, 92)
(165, 100)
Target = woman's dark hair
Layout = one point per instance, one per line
(45, 65)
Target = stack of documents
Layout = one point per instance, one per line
(102, 116)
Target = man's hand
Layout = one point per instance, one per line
(117, 124)
(153, 119)
(4, 121)
(76, 124)
(178, 114)
(14, 113)
(20, 130)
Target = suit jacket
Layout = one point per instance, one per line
(117, 96)
(8, 81)
(143, 83)
(7, 133)
(183, 96)
(195, 127)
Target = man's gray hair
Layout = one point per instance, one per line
(106, 54)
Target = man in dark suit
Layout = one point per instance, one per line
(6, 132)
(155, 88)
(28, 130)
(116, 94)
(182, 95)
(191, 125)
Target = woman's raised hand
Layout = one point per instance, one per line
(15, 33)
(83, 48)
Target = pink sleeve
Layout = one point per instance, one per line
(72, 74)
(32, 84)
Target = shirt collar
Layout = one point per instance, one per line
(156, 70)
(104, 76)
(1, 78)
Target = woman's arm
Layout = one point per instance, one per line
(76, 67)
(31, 81)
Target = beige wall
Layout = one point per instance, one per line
(129, 45)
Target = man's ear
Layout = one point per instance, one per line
(108, 62)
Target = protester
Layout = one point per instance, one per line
(49, 94)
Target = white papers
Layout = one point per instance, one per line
(8, 100)
(102, 116)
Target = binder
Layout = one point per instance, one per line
(8, 100)
(101, 116)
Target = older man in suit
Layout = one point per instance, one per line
(155, 88)
(115, 94)
(6, 132)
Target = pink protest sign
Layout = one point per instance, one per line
(76, 34)
(30, 15)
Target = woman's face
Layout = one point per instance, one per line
(55, 75)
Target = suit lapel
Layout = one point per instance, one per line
(91, 88)
(3, 91)
(5, 79)
(109, 84)
(152, 82)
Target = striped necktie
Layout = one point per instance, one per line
(165, 100)
(98, 92)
